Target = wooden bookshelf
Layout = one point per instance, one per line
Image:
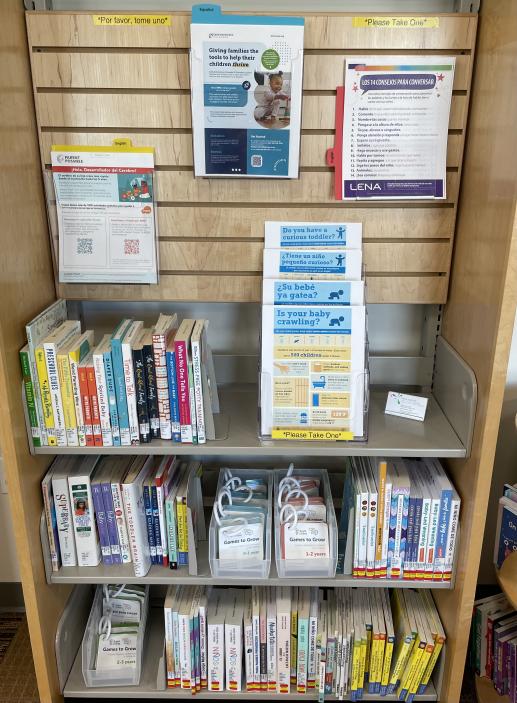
(70, 81)
(507, 578)
(486, 693)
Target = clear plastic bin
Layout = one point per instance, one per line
(305, 568)
(117, 676)
(231, 569)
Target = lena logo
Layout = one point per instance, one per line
(366, 185)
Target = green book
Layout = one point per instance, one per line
(29, 396)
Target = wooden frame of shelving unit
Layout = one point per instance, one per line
(409, 250)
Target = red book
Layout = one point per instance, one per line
(85, 400)
(94, 401)
(181, 351)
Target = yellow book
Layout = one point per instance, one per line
(380, 477)
(411, 667)
(406, 639)
(46, 398)
(426, 635)
(421, 634)
(378, 641)
(438, 635)
(294, 635)
(77, 351)
(356, 664)
(390, 641)
(369, 629)
(182, 519)
(67, 397)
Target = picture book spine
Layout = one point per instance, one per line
(397, 506)
(86, 406)
(416, 537)
(198, 391)
(433, 536)
(111, 522)
(173, 396)
(86, 539)
(180, 350)
(192, 402)
(203, 644)
(112, 398)
(407, 565)
(73, 360)
(102, 398)
(64, 521)
(169, 654)
(120, 391)
(150, 385)
(263, 638)
(451, 539)
(176, 645)
(172, 542)
(403, 531)
(51, 520)
(302, 658)
(67, 399)
(381, 493)
(363, 536)
(423, 537)
(441, 538)
(181, 514)
(37, 393)
(216, 657)
(386, 530)
(255, 627)
(120, 521)
(129, 379)
(185, 650)
(149, 523)
(357, 531)
(144, 425)
(162, 386)
(160, 494)
(372, 534)
(311, 661)
(233, 646)
(271, 649)
(248, 652)
(30, 401)
(294, 635)
(55, 393)
(94, 406)
(136, 527)
(156, 525)
(46, 399)
(100, 515)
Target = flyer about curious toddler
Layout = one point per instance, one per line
(246, 82)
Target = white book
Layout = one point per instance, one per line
(76, 353)
(86, 538)
(255, 606)
(307, 235)
(128, 339)
(63, 508)
(195, 341)
(170, 662)
(215, 640)
(425, 521)
(132, 492)
(119, 510)
(248, 640)
(386, 525)
(322, 648)
(187, 677)
(102, 390)
(371, 543)
(271, 639)
(233, 641)
(304, 604)
(451, 536)
(57, 340)
(313, 633)
(363, 521)
(283, 634)
(203, 655)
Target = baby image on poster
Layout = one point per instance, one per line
(273, 98)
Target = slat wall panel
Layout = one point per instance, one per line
(322, 31)
(172, 110)
(170, 71)
(94, 84)
(175, 148)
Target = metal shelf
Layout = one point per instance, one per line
(152, 681)
(238, 427)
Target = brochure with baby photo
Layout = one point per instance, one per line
(246, 80)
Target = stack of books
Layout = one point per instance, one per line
(493, 643)
(136, 384)
(339, 642)
(122, 510)
(399, 520)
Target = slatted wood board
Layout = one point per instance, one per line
(93, 84)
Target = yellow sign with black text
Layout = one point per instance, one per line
(384, 22)
(132, 20)
(313, 435)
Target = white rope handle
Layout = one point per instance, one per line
(297, 492)
(239, 523)
(105, 627)
(288, 483)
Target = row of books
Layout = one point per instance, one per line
(341, 642)
(402, 516)
(127, 509)
(135, 385)
(493, 643)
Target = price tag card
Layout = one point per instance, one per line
(305, 540)
(412, 407)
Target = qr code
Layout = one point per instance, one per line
(84, 246)
(131, 247)
(256, 160)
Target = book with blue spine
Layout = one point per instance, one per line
(410, 535)
(173, 392)
(156, 524)
(120, 382)
(445, 489)
(100, 516)
(149, 518)
(111, 518)
(112, 398)
(506, 540)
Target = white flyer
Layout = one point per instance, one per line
(246, 78)
(105, 211)
(395, 126)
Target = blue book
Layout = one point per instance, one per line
(100, 517)
(111, 518)
(416, 534)
(406, 565)
(149, 520)
(112, 398)
(120, 382)
(156, 525)
(507, 530)
(173, 395)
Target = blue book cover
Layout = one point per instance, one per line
(443, 524)
(120, 382)
(102, 526)
(403, 533)
(112, 398)
(416, 534)
(173, 395)
(507, 530)
(156, 525)
(111, 521)
(410, 535)
(149, 522)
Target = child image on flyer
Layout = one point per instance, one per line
(272, 95)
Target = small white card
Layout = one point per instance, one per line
(305, 540)
(244, 543)
(412, 407)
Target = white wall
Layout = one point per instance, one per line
(8, 561)
(505, 466)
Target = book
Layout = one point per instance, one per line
(271, 643)
(233, 635)
(150, 384)
(93, 399)
(139, 369)
(30, 401)
(163, 481)
(132, 491)
(100, 513)
(111, 393)
(47, 412)
(255, 626)
(63, 510)
(215, 641)
(85, 398)
(506, 531)
(102, 390)
(109, 507)
(181, 517)
(196, 341)
(120, 383)
(119, 470)
(173, 392)
(182, 356)
(399, 514)
(248, 641)
(127, 341)
(192, 403)
(163, 332)
(304, 604)
(67, 394)
(283, 632)
(51, 520)
(77, 351)
(149, 521)
(86, 536)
